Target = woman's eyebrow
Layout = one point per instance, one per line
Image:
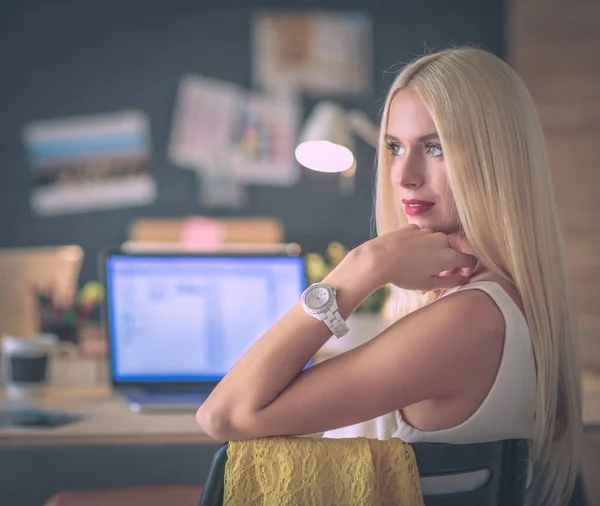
(429, 137)
(423, 138)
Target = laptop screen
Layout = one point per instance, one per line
(188, 318)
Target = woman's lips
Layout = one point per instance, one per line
(414, 207)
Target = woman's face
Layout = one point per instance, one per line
(418, 169)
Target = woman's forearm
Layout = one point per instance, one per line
(279, 356)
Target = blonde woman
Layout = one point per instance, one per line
(484, 347)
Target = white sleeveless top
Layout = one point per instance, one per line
(506, 413)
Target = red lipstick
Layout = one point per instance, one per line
(414, 207)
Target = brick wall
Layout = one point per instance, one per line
(555, 47)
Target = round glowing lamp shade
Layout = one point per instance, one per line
(326, 142)
(324, 156)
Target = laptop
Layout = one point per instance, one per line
(178, 322)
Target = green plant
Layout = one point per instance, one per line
(318, 266)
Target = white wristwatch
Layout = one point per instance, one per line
(319, 301)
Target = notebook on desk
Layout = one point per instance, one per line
(178, 322)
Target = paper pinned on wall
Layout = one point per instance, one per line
(87, 163)
(265, 140)
(233, 138)
(317, 53)
(204, 118)
(206, 113)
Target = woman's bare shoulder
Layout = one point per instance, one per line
(508, 287)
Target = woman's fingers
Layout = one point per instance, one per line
(465, 261)
(448, 281)
(459, 243)
(466, 271)
(430, 260)
(453, 261)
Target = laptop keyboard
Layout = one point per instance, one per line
(165, 394)
(171, 398)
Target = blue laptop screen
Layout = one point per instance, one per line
(190, 318)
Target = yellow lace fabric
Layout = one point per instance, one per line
(289, 471)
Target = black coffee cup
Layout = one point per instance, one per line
(25, 364)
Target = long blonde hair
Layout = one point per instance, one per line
(498, 173)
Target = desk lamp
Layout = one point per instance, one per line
(327, 142)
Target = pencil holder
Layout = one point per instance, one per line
(65, 332)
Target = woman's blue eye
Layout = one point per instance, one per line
(396, 149)
(434, 150)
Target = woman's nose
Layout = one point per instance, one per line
(407, 173)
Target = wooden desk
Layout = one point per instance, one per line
(111, 447)
(107, 420)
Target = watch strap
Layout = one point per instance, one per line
(335, 322)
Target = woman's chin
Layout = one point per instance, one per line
(433, 224)
(424, 222)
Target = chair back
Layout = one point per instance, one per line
(502, 464)
(212, 493)
(505, 464)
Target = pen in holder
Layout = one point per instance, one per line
(64, 320)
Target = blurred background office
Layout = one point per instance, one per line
(172, 125)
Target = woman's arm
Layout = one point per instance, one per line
(268, 385)
(277, 358)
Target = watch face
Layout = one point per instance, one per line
(317, 297)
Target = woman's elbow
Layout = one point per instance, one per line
(225, 424)
(215, 423)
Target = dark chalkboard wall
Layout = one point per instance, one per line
(60, 58)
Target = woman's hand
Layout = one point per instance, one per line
(459, 243)
(415, 258)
